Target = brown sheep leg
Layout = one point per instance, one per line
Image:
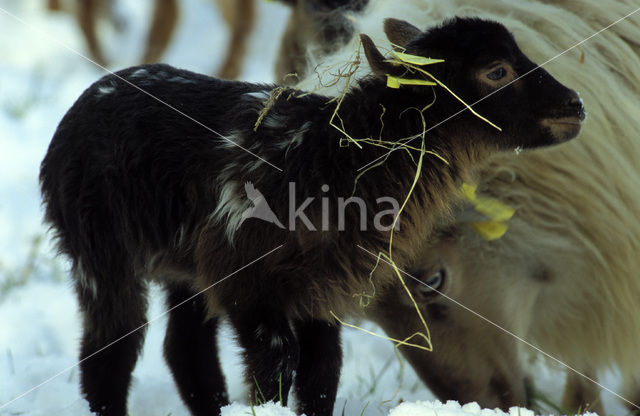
(240, 17)
(301, 30)
(87, 15)
(291, 63)
(324, 27)
(54, 5)
(581, 394)
(165, 19)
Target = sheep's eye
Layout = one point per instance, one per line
(432, 283)
(497, 74)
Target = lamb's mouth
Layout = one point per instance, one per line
(563, 128)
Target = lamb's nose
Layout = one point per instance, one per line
(575, 102)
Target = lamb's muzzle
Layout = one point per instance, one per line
(567, 123)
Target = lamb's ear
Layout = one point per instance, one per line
(377, 61)
(400, 32)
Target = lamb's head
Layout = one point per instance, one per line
(484, 66)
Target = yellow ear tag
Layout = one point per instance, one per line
(489, 230)
(401, 57)
(395, 82)
(492, 208)
(415, 59)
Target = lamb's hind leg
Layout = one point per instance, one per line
(113, 333)
(191, 352)
(316, 382)
(270, 352)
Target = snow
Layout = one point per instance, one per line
(40, 77)
(452, 408)
(420, 408)
(267, 409)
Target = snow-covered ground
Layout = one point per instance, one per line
(40, 77)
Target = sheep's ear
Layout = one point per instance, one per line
(400, 32)
(377, 61)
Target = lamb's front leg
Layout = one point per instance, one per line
(270, 352)
(318, 374)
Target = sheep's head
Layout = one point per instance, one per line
(484, 66)
(472, 360)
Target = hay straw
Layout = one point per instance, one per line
(274, 94)
(389, 145)
(412, 63)
(416, 68)
(397, 341)
(347, 72)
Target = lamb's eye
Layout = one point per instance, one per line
(497, 74)
(432, 283)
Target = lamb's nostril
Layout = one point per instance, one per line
(575, 103)
(574, 100)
